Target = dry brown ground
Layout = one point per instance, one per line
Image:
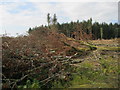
(107, 42)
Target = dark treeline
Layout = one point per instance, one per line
(83, 30)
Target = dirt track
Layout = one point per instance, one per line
(100, 52)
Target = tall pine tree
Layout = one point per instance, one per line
(54, 19)
(48, 19)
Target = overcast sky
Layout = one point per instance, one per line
(17, 16)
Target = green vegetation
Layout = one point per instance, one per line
(109, 48)
(29, 84)
(100, 74)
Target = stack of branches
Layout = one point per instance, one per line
(28, 57)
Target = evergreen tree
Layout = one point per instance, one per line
(29, 30)
(89, 25)
(48, 19)
(54, 19)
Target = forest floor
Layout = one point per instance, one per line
(90, 64)
(98, 69)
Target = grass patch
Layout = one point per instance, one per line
(109, 48)
(99, 74)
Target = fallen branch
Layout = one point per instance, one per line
(19, 80)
